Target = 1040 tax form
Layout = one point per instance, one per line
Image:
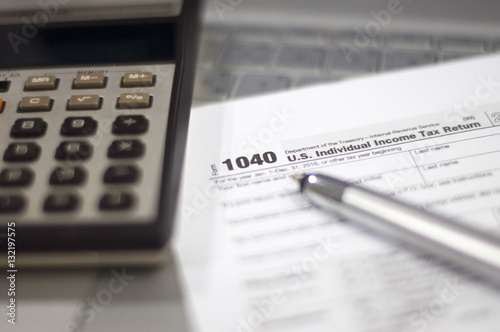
(256, 255)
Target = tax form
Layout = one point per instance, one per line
(257, 256)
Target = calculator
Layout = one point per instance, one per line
(93, 126)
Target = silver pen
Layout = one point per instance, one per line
(468, 247)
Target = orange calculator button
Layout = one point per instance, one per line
(1, 105)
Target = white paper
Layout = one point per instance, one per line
(257, 257)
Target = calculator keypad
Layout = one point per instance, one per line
(80, 146)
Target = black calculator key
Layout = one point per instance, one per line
(11, 203)
(79, 126)
(130, 124)
(15, 177)
(126, 149)
(74, 151)
(4, 86)
(60, 203)
(67, 176)
(116, 201)
(121, 174)
(22, 152)
(33, 127)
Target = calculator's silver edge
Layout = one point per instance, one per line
(87, 259)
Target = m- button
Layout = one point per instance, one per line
(89, 81)
(34, 83)
(138, 79)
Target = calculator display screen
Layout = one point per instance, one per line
(100, 43)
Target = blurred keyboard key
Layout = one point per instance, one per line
(496, 46)
(313, 80)
(409, 42)
(262, 35)
(365, 61)
(246, 55)
(306, 36)
(301, 58)
(462, 45)
(209, 53)
(395, 60)
(213, 86)
(357, 39)
(211, 33)
(258, 84)
(455, 56)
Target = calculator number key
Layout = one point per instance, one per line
(60, 203)
(35, 104)
(67, 176)
(79, 126)
(116, 201)
(35, 83)
(130, 124)
(74, 151)
(22, 152)
(134, 100)
(34, 127)
(11, 203)
(15, 177)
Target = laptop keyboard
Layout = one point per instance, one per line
(237, 62)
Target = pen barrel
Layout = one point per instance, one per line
(466, 246)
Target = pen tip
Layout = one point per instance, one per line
(299, 179)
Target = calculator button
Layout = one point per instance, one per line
(139, 79)
(125, 149)
(130, 124)
(22, 152)
(60, 203)
(1, 105)
(11, 203)
(89, 81)
(15, 177)
(85, 102)
(121, 174)
(4, 86)
(116, 201)
(67, 176)
(35, 104)
(79, 126)
(35, 127)
(134, 100)
(74, 151)
(41, 83)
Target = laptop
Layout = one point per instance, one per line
(251, 47)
